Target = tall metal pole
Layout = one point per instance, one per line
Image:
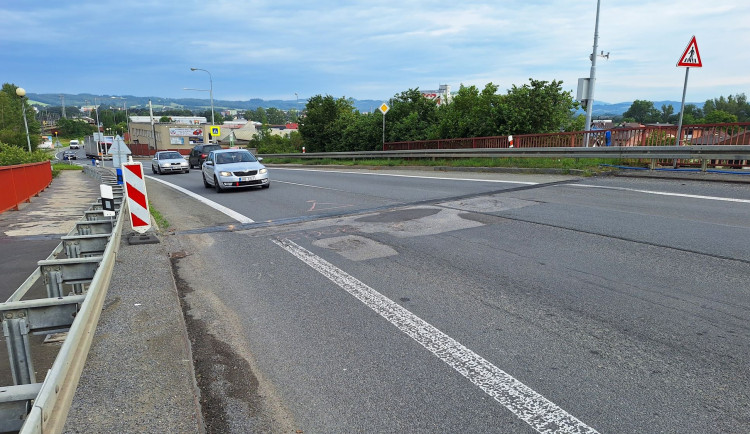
(22, 93)
(153, 129)
(210, 92)
(592, 77)
(98, 132)
(383, 147)
(682, 108)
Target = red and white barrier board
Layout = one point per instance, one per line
(135, 190)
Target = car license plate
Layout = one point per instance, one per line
(246, 178)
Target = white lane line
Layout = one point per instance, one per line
(311, 186)
(664, 193)
(221, 208)
(531, 407)
(413, 176)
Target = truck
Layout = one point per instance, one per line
(97, 145)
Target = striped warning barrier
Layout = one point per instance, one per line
(135, 188)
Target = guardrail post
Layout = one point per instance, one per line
(53, 281)
(16, 331)
(652, 164)
(704, 164)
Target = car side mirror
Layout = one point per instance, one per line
(209, 163)
(260, 159)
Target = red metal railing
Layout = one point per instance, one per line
(653, 135)
(21, 182)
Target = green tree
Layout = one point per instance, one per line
(72, 128)
(257, 115)
(363, 133)
(470, 114)
(720, 117)
(692, 115)
(736, 105)
(276, 116)
(537, 107)
(12, 130)
(667, 112)
(642, 111)
(323, 127)
(411, 117)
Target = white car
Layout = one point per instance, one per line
(169, 161)
(74, 144)
(233, 168)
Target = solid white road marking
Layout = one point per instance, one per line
(664, 193)
(414, 176)
(221, 208)
(531, 407)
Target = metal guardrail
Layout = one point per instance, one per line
(653, 153)
(76, 288)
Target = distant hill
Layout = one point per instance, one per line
(604, 109)
(83, 99)
(601, 109)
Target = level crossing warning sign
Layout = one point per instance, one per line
(135, 190)
(691, 58)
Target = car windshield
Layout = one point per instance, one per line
(234, 157)
(169, 155)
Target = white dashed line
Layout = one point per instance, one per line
(531, 407)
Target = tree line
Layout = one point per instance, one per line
(332, 124)
(329, 124)
(734, 108)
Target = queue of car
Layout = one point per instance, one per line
(222, 169)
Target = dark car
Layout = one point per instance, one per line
(199, 153)
(70, 155)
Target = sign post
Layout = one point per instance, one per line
(690, 57)
(135, 189)
(108, 200)
(384, 109)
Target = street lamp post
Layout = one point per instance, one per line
(125, 109)
(296, 108)
(210, 91)
(98, 131)
(22, 93)
(592, 78)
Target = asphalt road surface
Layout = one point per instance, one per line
(409, 301)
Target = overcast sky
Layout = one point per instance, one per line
(370, 49)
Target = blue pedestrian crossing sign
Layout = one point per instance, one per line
(215, 130)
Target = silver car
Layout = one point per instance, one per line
(169, 161)
(233, 168)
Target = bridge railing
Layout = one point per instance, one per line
(76, 276)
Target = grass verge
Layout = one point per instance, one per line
(57, 167)
(585, 164)
(160, 220)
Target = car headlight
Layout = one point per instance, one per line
(263, 170)
(225, 173)
(164, 164)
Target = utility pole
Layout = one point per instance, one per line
(62, 103)
(592, 78)
(153, 129)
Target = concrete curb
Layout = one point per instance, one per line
(139, 375)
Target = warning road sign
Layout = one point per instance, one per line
(135, 188)
(690, 57)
